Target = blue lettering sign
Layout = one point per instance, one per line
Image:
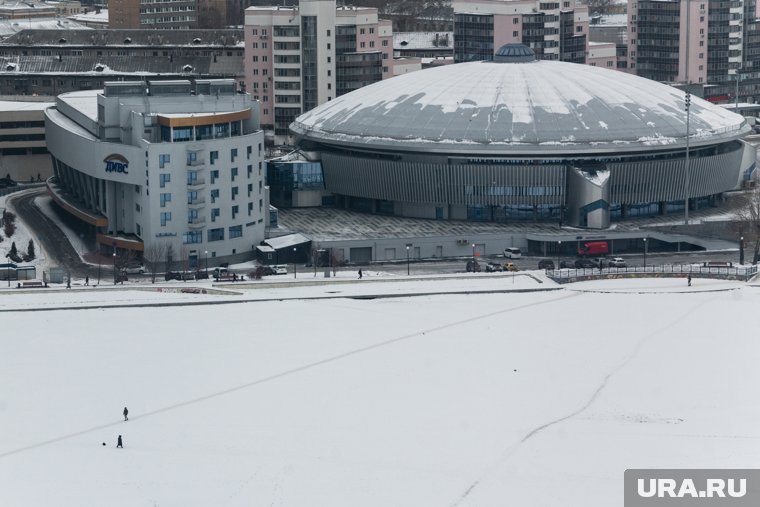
(113, 166)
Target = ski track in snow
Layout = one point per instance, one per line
(292, 371)
(514, 447)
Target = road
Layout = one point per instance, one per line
(48, 234)
(61, 252)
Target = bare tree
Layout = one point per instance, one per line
(153, 255)
(184, 257)
(748, 221)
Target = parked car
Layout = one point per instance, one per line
(508, 266)
(565, 265)
(280, 269)
(591, 248)
(492, 267)
(135, 270)
(472, 267)
(512, 253)
(201, 275)
(546, 264)
(585, 263)
(617, 262)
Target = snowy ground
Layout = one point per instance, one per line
(528, 399)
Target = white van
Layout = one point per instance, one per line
(512, 253)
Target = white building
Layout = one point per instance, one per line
(159, 164)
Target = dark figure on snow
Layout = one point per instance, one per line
(87, 280)
(125, 414)
(689, 279)
(68, 283)
(118, 443)
(360, 274)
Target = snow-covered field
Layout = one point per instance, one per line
(530, 399)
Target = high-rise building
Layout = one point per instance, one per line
(553, 30)
(299, 57)
(707, 42)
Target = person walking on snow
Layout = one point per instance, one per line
(125, 414)
(688, 278)
(118, 443)
(360, 274)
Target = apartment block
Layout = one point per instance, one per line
(554, 30)
(299, 57)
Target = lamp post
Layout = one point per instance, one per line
(8, 270)
(559, 252)
(741, 250)
(114, 267)
(295, 269)
(407, 260)
(686, 181)
(473, 256)
(100, 259)
(205, 253)
(645, 254)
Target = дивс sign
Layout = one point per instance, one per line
(116, 164)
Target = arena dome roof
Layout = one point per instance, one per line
(518, 107)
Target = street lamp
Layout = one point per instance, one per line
(741, 250)
(407, 260)
(295, 269)
(473, 257)
(645, 254)
(686, 182)
(114, 267)
(559, 252)
(8, 269)
(205, 253)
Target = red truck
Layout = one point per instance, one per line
(593, 249)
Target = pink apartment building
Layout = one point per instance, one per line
(299, 57)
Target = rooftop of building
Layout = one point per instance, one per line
(23, 105)
(106, 37)
(99, 16)
(423, 40)
(179, 66)
(10, 27)
(518, 107)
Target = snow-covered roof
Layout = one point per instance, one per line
(100, 16)
(289, 240)
(423, 40)
(9, 27)
(487, 107)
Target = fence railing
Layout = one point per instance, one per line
(697, 270)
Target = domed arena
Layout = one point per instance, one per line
(518, 139)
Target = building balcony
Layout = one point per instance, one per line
(196, 184)
(197, 223)
(196, 203)
(198, 162)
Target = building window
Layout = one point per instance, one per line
(163, 160)
(214, 175)
(515, 21)
(214, 214)
(250, 208)
(163, 179)
(214, 195)
(216, 234)
(192, 237)
(361, 44)
(385, 42)
(250, 189)
(255, 45)
(233, 173)
(234, 192)
(361, 31)
(236, 231)
(233, 154)
(248, 152)
(250, 170)
(515, 34)
(165, 198)
(213, 156)
(166, 216)
(235, 211)
(254, 31)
